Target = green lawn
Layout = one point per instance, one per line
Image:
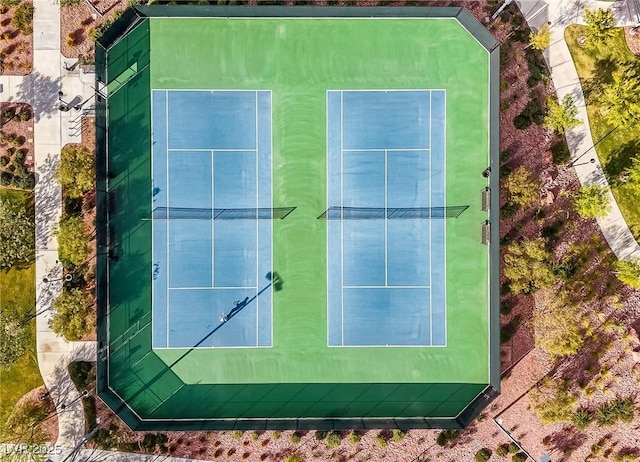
(17, 287)
(618, 149)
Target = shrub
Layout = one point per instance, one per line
(71, 310)
(526, 265)
(8, 114)
(295, 438)
(531, 114)
(23, 17)
(276, 434)
(4, 161)
(73, 240)
(483, 455)
(381, 440)
(81, 373)
(592, 201)
(582, 418)
(552, 401)
(447, 435)
(519, 457)
(254, 436)
(76, 172)
(320, 435)
(71, 40)
(502, 450)
(237, 434)
(70, 2)
(354, 437)
(613, 411)
(560, 152)
(25, 114)
(24, 180)
(513, 448)
(6, 178)
(333, 440)
(523, 187)
(398, 435)
(628, 271)
(537, 68)
(90, 413)
(294, 458)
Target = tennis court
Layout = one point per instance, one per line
(386, 271)
(211, 239)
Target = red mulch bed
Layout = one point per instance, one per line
(22, 130)
(16, 48)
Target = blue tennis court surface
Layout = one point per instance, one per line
(386, 277)
(211, 151)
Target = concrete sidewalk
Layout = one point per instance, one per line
(52, 130)
(560, 14)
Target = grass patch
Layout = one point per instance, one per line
(18, 289)
(620, 146)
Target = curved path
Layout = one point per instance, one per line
(52, 130)
(561, 13)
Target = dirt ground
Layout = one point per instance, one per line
(16, 51)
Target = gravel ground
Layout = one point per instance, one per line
(16, 50)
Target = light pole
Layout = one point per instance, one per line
(84, 394)
(66, 278)
(498, 422)
(574, 164)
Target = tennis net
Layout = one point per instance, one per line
(376, 213)
(183, 213)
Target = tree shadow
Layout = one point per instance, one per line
(602, 75)
(48, 200)
(567, 439)
(620, 160)
(42, 92)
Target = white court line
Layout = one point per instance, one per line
(341, 217)
(214, 288)
(153, 247)
(430, 227)
(444, 195)
(213, 224)
(387, 287)
(210, 149)
(257, 154)
(166, 118)
(386, 233)
(387, 150)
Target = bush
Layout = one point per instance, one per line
(333, 440)
(320, 435)
(560, 152)
(73, 241)
(294, 458)
(523, 187)
(398, 435)
(24, 180)
(447, 435)
(502, 450)
(25, 114)
(628, 271)
(582, 418)
(381, 440)
(237, 434)
(537, 68)
(154, 441)
(354, 437)
(592, 201)
(76, 172)
(90, 413)
(483, 455)
(254, 436)
(276, 434)
(6, 178)
(23, 17)
(295, 438)
(613, 411)
(532, 113)
(71, 310)
(4, 161)
(513, 448)
(519, 457)
(81, 373)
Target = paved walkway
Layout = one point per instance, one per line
(561, 13)
(52, 130)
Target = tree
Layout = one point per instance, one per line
(592, 201)
(71, 310)
(561, 116)
(540, 40)
(523, 187)
(17, 234)
(556, 327)
(526, 264)
(633, 174)
(620, 98)
(14, 337)
(76, 172)
(628, 271)
(73, 241)
(552, 401)
(600, 27)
